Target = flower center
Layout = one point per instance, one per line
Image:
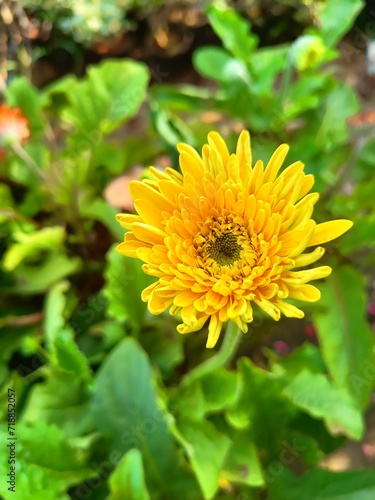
(225, 250)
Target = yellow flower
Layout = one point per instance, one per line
(225, 235)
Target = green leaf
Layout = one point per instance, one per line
(188, 402)
(321, 484)
(207, 449)
(126, 410)
(314, 394)
(242, 464)
(182, 97)
(366, 158)
(61, 399)
(37, 279)
(266, 63)
(339, 104)
(217, 64)
(47, 463)
(336, 18)
(68, 357)
(112, 157)
(127, 481)
(220, 388)
(304, 357)
(111, 93)
(233, 31)
(163, 344)
(125, 281)
(261, 409)
(303, 446)
(101, 211)
(54, 311)
(360, 237)
(346, 340)
(32, 244)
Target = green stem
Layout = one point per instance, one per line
(29, 162)
(227, 350)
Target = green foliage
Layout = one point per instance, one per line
(127, 481)
(346, 339)
(111, 401)
(88, 21)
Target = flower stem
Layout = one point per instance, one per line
(29, 162)
(227, 350)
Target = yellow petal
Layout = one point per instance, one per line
(295, 241)
(328, 231)
(185, 298)
(305, 259)
(190, 329)
(148, 234)
(126, 220)
(214, 330)
(301, 277)
(216, 141)
(290, 311)
(129, 248)
(275, 163)
(243, 153)
(308, 293)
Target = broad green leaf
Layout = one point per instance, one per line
(346, 340)
(261, 409)
(233, 31)
(127, 480)
(125, 281)
(32, 279)
(314, 394)
(189, 402)
(47, 463)
(110, 93)
(336, 17)
(126, 410)
(217, 64)
(242, 464)
(318, 484)
(32, 244)
(220, 388)
(207, 449)
(61, 399)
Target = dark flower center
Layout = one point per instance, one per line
(225, 250)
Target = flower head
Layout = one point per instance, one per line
(13, 127)
(224, 235)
